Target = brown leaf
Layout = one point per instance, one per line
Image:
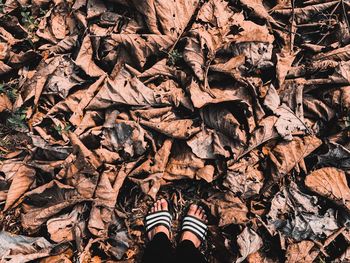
(18, 248)
(303, 251)
(4, 51)
(125, 137)
(5, 103)
(296, 215)
(34, 86)
(64, 227)
(153, 169)
(207, 144)
(223, 121)
(58, 26)
(246, 183)
(202, 98)
(264, 132)
(183, 164)
(88, 95)
(304, 14)
(259, 257)
(95, 8)
(136, 49)
(249, 242)
(339, 54)
(345, 99)
(228, 209)
(341, 74)
(230, 67)
(122, 174)
(64, 46)
(202, 144)
(56, 196)
(85, 59)
(317, 109)
(164, 17)
(91, 119)
(4, 69)
(107, 156)
(288, 122)
(125, 89)
(259, 10)
(284, 63)
(21, 182)
(330, 182)
(286, 155)
(62, 79)
(92, 159)
(101, 215)
(251, 32)
(179, 129)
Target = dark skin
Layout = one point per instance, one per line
(194, 210)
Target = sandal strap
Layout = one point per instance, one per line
(195, 226)
(158, 218)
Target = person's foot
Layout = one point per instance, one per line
(198, 212)
(159, 205)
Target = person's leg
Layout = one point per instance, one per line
(158, 224)
(192, 236)
(158, 250)
(186, 252)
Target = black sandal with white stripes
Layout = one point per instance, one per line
(158, 218)
(195, 226)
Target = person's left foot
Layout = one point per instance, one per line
(160, 205)
(199, 213)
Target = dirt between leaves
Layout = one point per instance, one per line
(241, 106)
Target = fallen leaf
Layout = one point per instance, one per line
(302, 219)
(154, 168)
(5, 103)
(21, 182)
(18, 248)
(286, 155)
(179, 129)
(228, 208)
(63, 228)
(330, 182)
(56, 196)
(85, 59)
(303, 251)
(249, 242)
(124, 89)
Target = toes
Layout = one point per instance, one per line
(193, 209)
(198, 212)
(205, 218)
(164, 204)
(159, 205)
(201, 213)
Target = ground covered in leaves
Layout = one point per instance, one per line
(241, 105)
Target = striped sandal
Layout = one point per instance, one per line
(195, 226)
(158, 218)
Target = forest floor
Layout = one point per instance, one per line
(242, 106)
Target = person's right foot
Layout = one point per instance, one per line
(160, 205)
(199, 213)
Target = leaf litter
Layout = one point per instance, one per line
(240, 105)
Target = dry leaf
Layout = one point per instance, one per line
(303, 251)
(229, 209)
(21, 182)
(5, 103)
(249, 242)
(85, 59)
(330, 182)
